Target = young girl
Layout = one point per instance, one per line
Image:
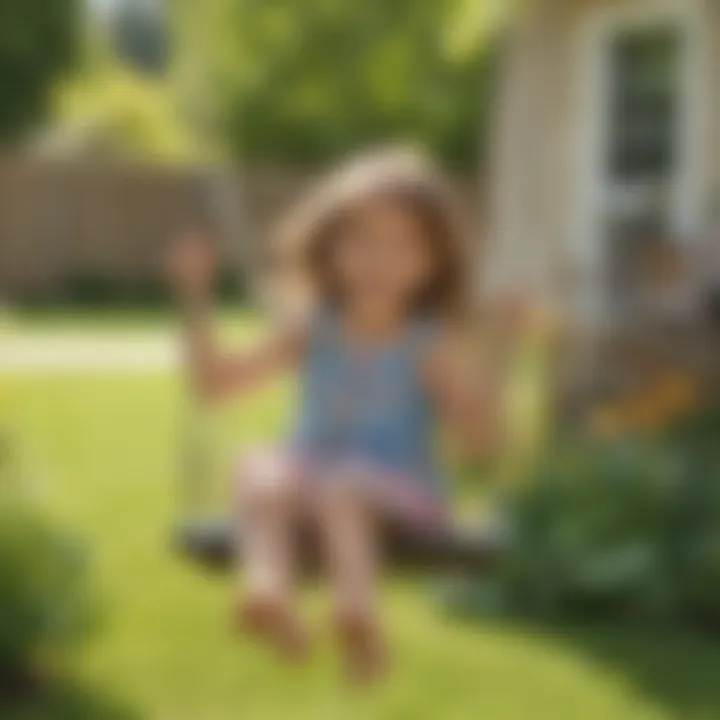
(380, 261)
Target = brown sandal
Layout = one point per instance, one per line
(271, 620)
(364, 649)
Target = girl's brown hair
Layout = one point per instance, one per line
(403, 176)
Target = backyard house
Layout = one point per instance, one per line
(607, 186)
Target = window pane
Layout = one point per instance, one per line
(644, 103)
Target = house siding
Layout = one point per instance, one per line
(541, 139)
(537, 125)
(714, 105)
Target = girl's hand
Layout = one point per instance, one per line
(519, 314)
(191, 266)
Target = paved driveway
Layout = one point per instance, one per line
(42, 352)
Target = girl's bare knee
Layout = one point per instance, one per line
(264, 484)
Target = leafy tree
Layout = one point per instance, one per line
(39, 40)
(307, 79)
(473, 24)
(111, 109)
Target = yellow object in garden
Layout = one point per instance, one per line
(528, 403)
(654, 407)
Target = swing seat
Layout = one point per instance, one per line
(467, 548)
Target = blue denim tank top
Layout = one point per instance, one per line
(368, 404)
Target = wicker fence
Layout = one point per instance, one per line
(61, 223)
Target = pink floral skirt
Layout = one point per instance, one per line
(395, 496)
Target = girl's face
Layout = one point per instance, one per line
(382, 259)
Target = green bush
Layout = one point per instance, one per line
(697, 531)
(105, 291)
(622, 530)
(45, 602)
(590, 534)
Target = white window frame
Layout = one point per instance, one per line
(600, 26)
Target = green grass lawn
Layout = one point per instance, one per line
(104, 451)
(137, 322)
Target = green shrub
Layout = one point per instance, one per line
(590, 534)
(106, 291)
(45, 603)
(621, 530)
(697, 532)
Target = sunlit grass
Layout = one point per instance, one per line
(104, 449)
(135, 321)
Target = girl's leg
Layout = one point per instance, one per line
(349, 538)
(268, 514)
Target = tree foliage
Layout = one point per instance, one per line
(308, 79)
(39, 40)
(114, 110)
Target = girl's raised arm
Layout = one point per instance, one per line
(469, 387)
(467, 397)
(213, 372)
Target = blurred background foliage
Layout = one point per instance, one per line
(294, 81)
(39, 41)
(305, 80)
(114, 108)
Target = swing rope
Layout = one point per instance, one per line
(220, 204)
